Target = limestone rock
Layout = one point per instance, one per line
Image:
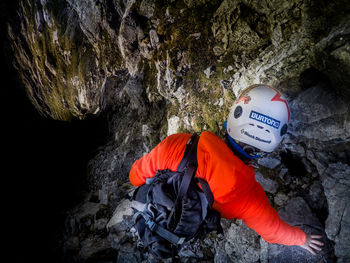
(280, 199)
(298, 213)
(317, 197)
(268, 184)
(209, 71)
(232, 29)
(128, 39)
(269, 162)
(123, 209)
(336, 183)
(147, 8)
(320, 114)
(58, 56)
(173, 125)
(169, 82)
(241, 244)
(108, 193)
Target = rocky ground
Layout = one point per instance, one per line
(152, 68)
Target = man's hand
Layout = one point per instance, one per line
(312, 243)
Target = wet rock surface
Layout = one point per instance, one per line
(296, 212)
(150, 69)
(336, 183)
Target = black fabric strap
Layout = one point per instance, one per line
(161, 231)
(189, 163)
(190, 154)
(186, 180)
(207, 192)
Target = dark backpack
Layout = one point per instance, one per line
(171, 208)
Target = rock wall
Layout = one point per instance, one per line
(152, 68)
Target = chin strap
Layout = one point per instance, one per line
(237, 147)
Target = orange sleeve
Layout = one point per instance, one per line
(166, 155)
(254, 209)
(264, 219)
(238, 195)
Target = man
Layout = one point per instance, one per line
(257, 122)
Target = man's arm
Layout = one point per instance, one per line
(266, 222)
(263, 218)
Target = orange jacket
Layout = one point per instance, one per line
(235, 191)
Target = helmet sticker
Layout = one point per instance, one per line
(277, 97)
(238, 112)
(264, 119)
(245, 99)
(254, 137)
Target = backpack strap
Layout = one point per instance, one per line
(190, 164)
(164, 233)
(190, 154)
(207, 192)
(190, 161)
(143, 211)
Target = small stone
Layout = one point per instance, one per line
(186, 252)
(209, 71)
(173, 125)
(268, 184)
(316, 196)
(123, 209)
(146, 131)
(282, 173)
(280, 199)
(101, 223)
(219, 103)
(107, 190)
(225, 83)
(269, 162)
(154, 38)
(147, 8)
(196, 35)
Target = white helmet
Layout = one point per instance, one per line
(258, 118)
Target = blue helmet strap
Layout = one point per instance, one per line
(239, 148)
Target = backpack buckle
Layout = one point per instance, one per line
(151, 209)
(181, 241)
(151, 225)
(150, 180)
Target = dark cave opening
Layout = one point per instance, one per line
(322, 215)
(297, 169)
(293, 163)
(44, 170)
